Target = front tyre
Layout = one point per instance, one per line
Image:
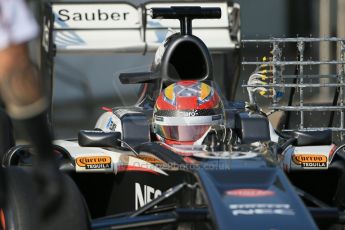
(22, 210)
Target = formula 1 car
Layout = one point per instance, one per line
(258, 178)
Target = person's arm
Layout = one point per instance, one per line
(20, 84)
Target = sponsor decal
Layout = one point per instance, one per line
(150, 159)
(192, 113)
(144, 194)
(310, 160)
(159, 118)
(91, 15)
(97, 15)
(261, 209)
(110, 125)
(216, 117)
(138, 165)
(94, 162)
(250, 192)
(216, 113)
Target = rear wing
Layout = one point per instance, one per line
(108, 27)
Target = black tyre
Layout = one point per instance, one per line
(22, 211)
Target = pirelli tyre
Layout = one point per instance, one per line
(22, 211)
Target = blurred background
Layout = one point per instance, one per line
(85, 83)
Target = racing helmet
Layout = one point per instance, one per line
(186, 111)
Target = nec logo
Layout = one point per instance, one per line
(144, 194)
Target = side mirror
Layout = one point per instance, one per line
(138, 78)
(95, 138)
(252, 127)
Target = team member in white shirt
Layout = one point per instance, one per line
(21, 90)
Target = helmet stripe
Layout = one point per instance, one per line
(189, 113)
(181, 121)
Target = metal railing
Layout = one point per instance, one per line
(279, 76)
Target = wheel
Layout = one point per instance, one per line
(22, 212)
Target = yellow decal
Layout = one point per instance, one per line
(310, 160)
(84, 161)
(169, 92)
(205, 90)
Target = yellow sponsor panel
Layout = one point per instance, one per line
(309, 158)
(84, 161)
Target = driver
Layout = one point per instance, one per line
(187, 112)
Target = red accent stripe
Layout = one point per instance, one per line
(331, 153)
(190, 160)
(107, 109)
(2, 219)
(124, 168)
(187, 82)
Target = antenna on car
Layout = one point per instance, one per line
(186, 14)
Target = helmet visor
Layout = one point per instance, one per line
(182, 133)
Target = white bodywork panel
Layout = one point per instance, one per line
(119, 159)
(308, 157)
(119, 27)
(109, 122)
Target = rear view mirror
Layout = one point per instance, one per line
(138, 78)
(95, 138)
(252, 127)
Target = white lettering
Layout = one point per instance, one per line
(287, 212)
(149, 191)
(157, 193)
(261, 209)
(146, 195)
(139, 198)
(65, 15)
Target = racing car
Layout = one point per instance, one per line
(240, 173)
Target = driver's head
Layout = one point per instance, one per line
(186, 111)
